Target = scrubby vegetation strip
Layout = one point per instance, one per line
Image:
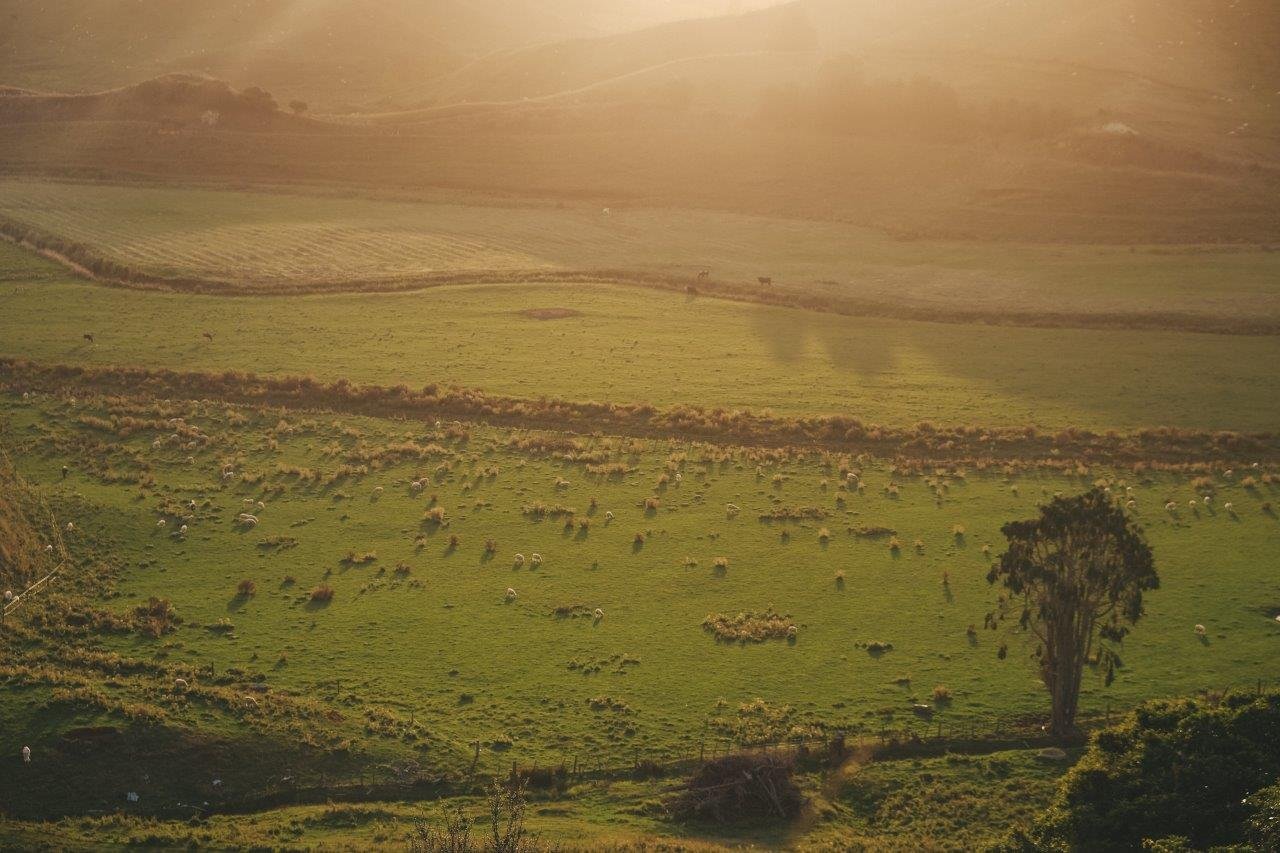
(1070, 449)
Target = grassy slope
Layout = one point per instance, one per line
(631, 345)
(288, 238)
(388, 641)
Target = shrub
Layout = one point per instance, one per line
(246, 588)
(322, 594)
(941, 694)
(741, 787)
(155, 618)
(1172, 767)
(435, 515)
(491, 546)
(749, 627)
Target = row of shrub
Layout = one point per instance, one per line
(1067, 450)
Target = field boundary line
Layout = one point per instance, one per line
(86, 262)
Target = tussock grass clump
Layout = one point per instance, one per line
(322, 594)
(749, 627)
(941, 694)
(354, 559)
(434, 516)
(868, 531)
(156, 618)
(246, 588)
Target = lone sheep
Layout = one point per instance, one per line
(519, 559)
(598, 614)
(511, 594)
(180, 684)
(1200, 630)
(535, 559)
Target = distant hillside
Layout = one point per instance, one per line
(172, 102)
(336, 54)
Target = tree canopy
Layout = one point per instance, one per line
(1075, 577)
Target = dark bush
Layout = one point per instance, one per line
(740, 787)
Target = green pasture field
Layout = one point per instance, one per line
(426, 628)
(276, 239)
(626, 345)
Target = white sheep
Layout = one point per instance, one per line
(1130, 504)
(1207, 498)
(732, 509)
(227, 475)
(1171, 506)
(417, 486)
(535, 559)
(161, 523)
(1200, 630)
(247, 501)
(260, 505)
(1229, 506)
(519, 559)
(191, 504)
(250, 702)
(180, 684)
(1192, 503)
(792, 631)
(377, 490)
(70, 526)
(246, 518)
(608, 516)
(511, 594)
(598, 614)
(8, 595)
(182, 531)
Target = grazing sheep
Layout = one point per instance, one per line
(608, 516)
(792, 631)
(227, 475)
(417, 486)
(260, 505)
(1229, 506)
(1200, 630)
(598, 614)
(679, 479)
(247, 501)
(70, 527)
(732, 509)
(8, 595)
(377, 490)
(519, 559)
(1171, 506)
(191, 460)
(511, 594)
(180, 684)
(535, 559)
(161, 523)
(250, 702)
(1192, 503)
(250, 520)
(1130, 504)
(182, 530)
(1207, 498)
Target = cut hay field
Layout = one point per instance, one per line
(424, 626)
(278, 240)
(623, 344)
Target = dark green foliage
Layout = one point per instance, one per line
(1173, 768)
(1075, 576)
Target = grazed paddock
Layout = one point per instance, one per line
(549, 594)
